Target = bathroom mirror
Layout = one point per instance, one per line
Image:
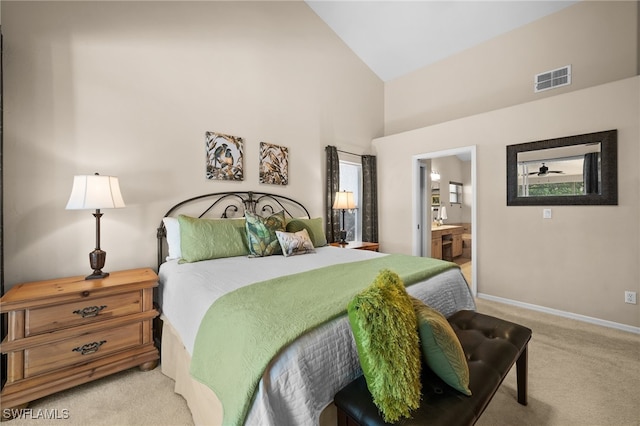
(573, 170)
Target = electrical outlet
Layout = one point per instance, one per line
(546, 213)
(630, 297)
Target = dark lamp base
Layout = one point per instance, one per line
(96, 260)
(97, 275)
(343, 237)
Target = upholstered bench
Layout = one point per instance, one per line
(491, 346)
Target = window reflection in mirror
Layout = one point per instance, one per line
(564, 171)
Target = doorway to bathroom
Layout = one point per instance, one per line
(445, 208)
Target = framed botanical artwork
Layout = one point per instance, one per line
(225, 156)
(274, 164)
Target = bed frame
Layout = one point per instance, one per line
(230, 205)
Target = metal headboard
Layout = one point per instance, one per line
(230, 205)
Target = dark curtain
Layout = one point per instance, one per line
(332, 224)
(591, 173)
(369, 199)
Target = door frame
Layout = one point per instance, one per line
(422, 238)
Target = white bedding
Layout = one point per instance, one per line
(302, 380)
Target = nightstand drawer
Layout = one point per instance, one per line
(50, 318)
(77, 350)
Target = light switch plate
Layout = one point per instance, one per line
(546, 213)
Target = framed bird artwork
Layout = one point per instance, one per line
(274, 164)
(225, 156)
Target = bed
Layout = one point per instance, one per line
(297, 385)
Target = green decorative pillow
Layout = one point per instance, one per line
(315, 228)
(441, 347)
(261, 233)
(202, 239)
(384, 326)
(293, 243)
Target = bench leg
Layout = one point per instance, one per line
(521, 375)
(345, 420)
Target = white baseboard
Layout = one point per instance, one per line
(571, 315)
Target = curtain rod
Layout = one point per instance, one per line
(347, 152)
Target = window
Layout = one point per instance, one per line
(557, 188)
(455, 193)
(351, 180)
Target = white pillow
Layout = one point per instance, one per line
(172, 226)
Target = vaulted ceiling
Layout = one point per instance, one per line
(397, 37)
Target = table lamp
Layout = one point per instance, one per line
(95, 192)
(344, 201)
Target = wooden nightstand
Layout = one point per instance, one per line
(358, 245)
(69, 331)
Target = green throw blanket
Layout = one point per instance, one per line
(243, 330)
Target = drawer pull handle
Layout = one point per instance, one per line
(89, 311)
(89, 348)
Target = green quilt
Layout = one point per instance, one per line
(243, 330)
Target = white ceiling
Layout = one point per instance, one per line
(396, 37)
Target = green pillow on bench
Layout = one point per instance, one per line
(384, 326)
(441, 347)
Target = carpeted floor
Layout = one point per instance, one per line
(579, 374)
(465, 267)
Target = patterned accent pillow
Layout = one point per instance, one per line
(261, 233)
(384, 327)
(315, 228)
(441, 347)
(293, 243)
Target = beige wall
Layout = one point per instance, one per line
(581, 260)
(129, 89)
(577, 262)
(599, 39)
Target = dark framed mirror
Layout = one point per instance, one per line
(572, 170)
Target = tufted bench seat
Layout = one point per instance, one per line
(491, 346)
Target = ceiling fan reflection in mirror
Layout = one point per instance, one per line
(544, 171)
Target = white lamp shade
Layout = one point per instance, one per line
(344, 200)
(91, 192)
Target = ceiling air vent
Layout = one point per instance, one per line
(552, 79)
